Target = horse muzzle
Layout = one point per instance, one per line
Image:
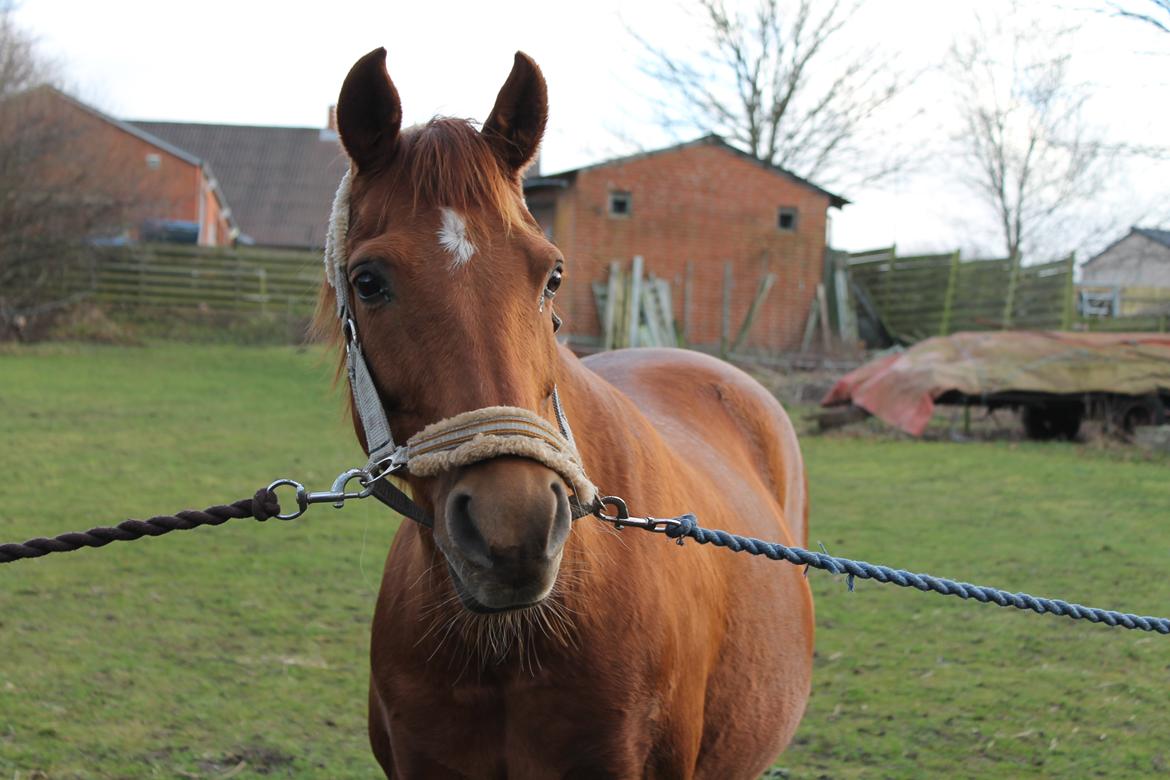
(502, 528)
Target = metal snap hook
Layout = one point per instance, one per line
(621, 517)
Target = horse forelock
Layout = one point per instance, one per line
(447, 163)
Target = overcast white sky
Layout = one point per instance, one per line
(253, 62)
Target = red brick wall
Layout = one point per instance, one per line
(95, 156)
(700, 205)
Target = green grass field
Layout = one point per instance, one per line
(241, 650)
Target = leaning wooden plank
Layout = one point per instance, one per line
(609, 319)
(754, 310)
(600, 292)
(666, 306)
(826, 334)
(651, 316)
(810, 325)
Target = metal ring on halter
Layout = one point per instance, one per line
(385, 467)
(302, 498)
(336, 496)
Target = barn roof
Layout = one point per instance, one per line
(279, 181)
(560, 179)
(1159, 236)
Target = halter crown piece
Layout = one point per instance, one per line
(457, 441)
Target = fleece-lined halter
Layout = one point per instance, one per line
(457, 441)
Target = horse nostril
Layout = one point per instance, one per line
(463, 531)
(562, 520)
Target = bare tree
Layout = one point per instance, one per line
(55, 191)
(1029, 152)
(1155, 12)
(20, 67)
(771, 82)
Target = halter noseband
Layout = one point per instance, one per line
(457, 441)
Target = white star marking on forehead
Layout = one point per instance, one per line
(453, 238)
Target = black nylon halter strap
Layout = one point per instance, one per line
(389, 494)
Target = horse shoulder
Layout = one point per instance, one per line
(715, 414)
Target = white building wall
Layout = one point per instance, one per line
(1134, 261)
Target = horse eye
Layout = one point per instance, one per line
(370, 286)
(554, 281)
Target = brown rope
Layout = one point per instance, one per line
(261, 506)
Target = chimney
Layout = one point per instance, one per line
(329, 131)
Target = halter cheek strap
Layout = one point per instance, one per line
(456, 441)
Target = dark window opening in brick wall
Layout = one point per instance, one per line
(621, 204)
(786, 220)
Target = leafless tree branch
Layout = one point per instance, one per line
(56, 192)
(754, 84)
(1159, 17)
(1031, 156)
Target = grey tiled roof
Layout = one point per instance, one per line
(711, 139)
(1161, 236)
(278, 181)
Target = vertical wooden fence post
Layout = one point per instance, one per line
(1070, 295)
(944, 327)
(635, 299)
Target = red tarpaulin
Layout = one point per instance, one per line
(901, 388)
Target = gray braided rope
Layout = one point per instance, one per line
(688, 527)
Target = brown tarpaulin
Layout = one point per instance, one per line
(901, 388)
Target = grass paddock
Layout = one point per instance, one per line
(242, 650)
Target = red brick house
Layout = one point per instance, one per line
(148, 179)
(279, 181)
(688, 210)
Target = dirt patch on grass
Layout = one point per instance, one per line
(256, 759)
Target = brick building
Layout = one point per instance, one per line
(280, 181)
(688, 210)
(79, 149)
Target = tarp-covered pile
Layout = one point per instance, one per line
(901, 388)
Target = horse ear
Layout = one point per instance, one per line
(517, 121)
(369, 113)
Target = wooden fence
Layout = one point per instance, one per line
(1119, 308)
(919, 296)
(243, 280)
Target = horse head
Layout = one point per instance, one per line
(450, 282)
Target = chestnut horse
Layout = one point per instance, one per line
(510, 640)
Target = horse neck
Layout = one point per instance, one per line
(616, 442)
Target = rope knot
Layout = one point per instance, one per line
(265, 505)
(685, 525)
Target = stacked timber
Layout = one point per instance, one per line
(635, 311)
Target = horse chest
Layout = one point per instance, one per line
(530, 727)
